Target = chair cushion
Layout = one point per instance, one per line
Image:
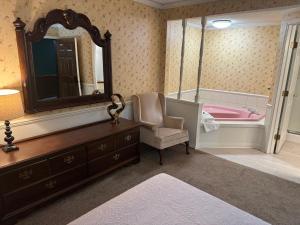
(168, 132)
(164, 137)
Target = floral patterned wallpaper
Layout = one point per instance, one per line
(173, 57)
(137, 33)
(213, 8)
(138, 41)
(239, 59)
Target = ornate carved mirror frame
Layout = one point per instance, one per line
(70, 20)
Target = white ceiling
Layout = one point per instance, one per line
(163, 4)
(177, 1)
(248, 19)
(165, 1)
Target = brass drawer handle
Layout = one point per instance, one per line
(51, 184)
(116, 156)
(102, 147)
(69, 159)
(128, 137)
(26, 174)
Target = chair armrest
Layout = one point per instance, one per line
(174, 122)
(150, 126)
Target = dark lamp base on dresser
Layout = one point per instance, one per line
(48, 166)
(9, 147)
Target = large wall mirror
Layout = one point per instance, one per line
(64, 62)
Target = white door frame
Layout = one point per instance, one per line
(96, 48)
(290, 86)
(280, 85)
(77, 66)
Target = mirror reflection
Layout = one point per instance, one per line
(67, 63)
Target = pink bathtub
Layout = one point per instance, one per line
(232, 114)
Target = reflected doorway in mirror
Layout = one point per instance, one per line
(67, 63)
(98, 72)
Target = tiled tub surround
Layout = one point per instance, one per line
(226, 98)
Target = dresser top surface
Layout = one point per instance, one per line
(38, 147)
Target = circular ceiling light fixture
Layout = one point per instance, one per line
(221, 24)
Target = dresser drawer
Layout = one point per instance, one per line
(128, 138)
(31, 194)
(102, 164)
(100, 148)
(23, 176)
(68, 160)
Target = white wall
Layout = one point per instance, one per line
(190, 112)
(97, 67)
(227, 136)
(294, 123)
(227, 98)
(233, 136)
(88, 89)
(35, 125)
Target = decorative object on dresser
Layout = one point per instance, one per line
(48, 166)
(10, 108)
(160, 130)
(114, 106)
(55, 66)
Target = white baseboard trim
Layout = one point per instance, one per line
(241, 146)
(293, 138)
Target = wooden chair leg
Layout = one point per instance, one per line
(160, 157)
(187, 145)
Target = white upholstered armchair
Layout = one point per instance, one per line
(159, 131)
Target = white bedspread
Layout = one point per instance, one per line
(165, 200)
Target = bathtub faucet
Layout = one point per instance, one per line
(252, 111)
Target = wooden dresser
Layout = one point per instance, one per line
(48, 166)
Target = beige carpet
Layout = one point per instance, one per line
(268, 197)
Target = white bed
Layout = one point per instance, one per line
(165, 200)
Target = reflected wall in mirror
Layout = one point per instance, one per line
(64, 62)
(67, 63)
